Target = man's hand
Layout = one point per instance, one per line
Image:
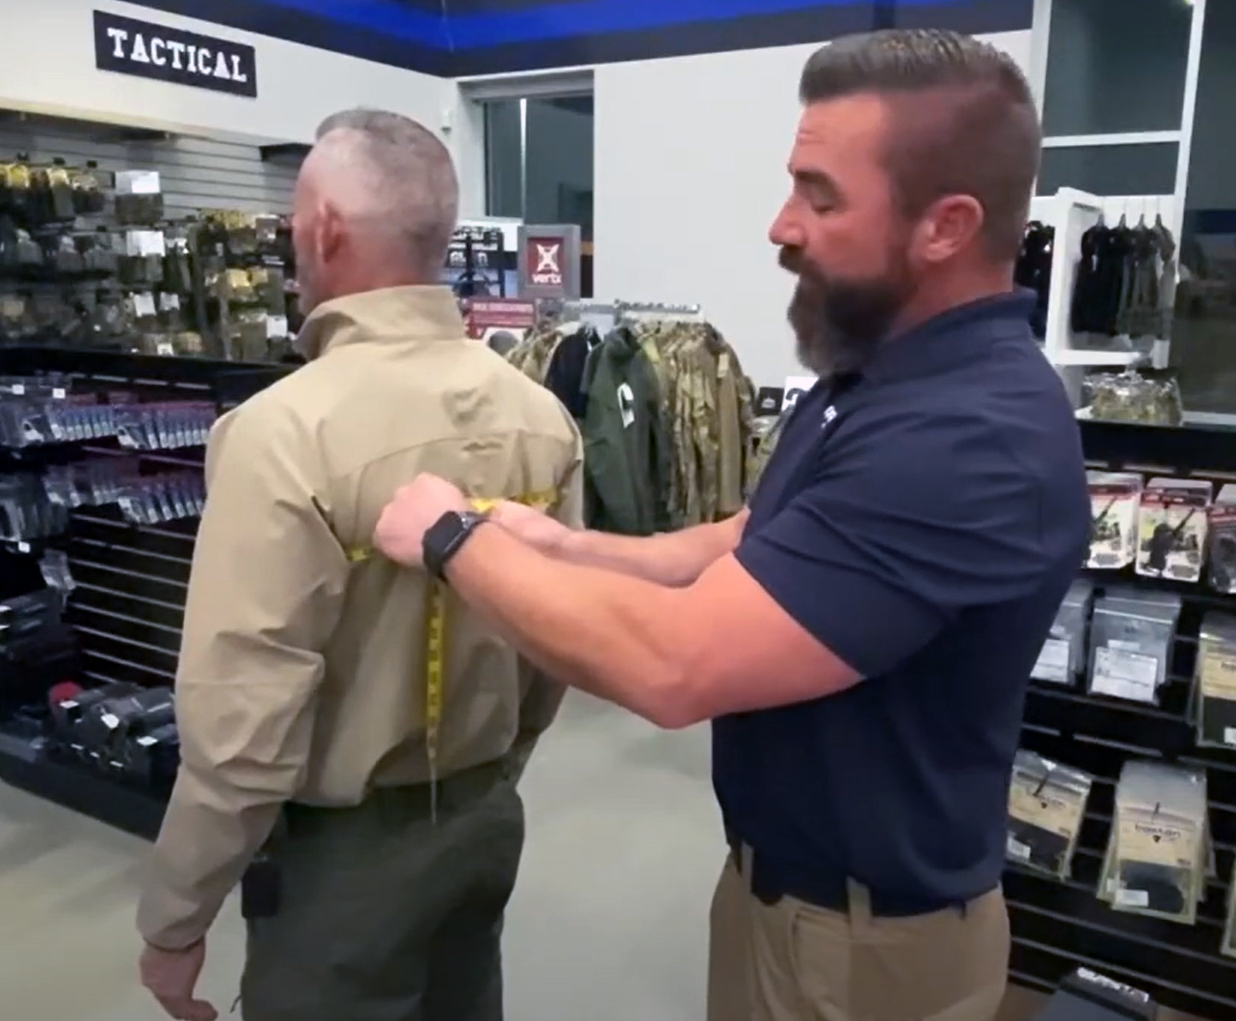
(534, 527)
(415, 509)
(171, 975)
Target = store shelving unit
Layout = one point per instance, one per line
(1059, 926)
(128, 607)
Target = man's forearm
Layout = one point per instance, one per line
(612, 636)
(674, 559)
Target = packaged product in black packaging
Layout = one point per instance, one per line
(1171, 528)
(1131, 637)
(1215, 697)
(1157, 858)
(1114, 499)
(1047, 805)
(1228, 946)
(1221, 543)
(1063, 657)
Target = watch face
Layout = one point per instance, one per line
(444, 538)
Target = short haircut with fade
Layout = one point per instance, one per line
(402, 178)
(964, 120)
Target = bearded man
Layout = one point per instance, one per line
(862, 634)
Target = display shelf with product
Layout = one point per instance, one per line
(1150, 654)
(86, 710)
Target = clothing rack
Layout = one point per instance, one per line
(1070, 213)
(658, 310)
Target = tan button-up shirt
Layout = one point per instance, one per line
(302, 672)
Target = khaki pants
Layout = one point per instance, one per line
(387, 915)
(794, 962)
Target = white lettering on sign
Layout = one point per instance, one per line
(167, 54)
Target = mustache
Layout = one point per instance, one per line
(791, 260)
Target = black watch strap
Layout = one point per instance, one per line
(446, 537)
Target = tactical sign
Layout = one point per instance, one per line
(146, 50)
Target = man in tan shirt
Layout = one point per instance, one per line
(350, 731)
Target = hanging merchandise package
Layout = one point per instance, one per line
(1228, 946)
(1131, 638)
(1159, 858)
(1221, 542)
(1215, 697)
(1114, 499)
(1171, 528)
(1063, 656)
(1047, 805)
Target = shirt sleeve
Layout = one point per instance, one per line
(264, 595)
(886, 547)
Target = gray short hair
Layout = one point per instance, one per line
(397, 175)
(981, 137)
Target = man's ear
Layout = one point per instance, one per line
(329, 232)
(949, 227)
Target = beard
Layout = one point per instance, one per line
(840, 323)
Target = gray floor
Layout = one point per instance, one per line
(608, 921)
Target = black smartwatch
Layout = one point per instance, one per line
(446, 537)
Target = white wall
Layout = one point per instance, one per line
(47, 65)
(690, 171)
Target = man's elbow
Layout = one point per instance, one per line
(673, 698)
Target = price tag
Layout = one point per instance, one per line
(58, 393)
(1133, 898)
(138, 182)
(795, 387)
(1229, 735)
(1053, 662)
(276, 327)
(169, 301)
(1016, 850)
(165, 348)
(144, 305)
(19, 389)
(23, 547)
(1124, 674)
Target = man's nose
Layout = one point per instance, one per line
(786, 232)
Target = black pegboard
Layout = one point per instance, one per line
(1059, 926)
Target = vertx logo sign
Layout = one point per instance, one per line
(146, 50)
(545, 255)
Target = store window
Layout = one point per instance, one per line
(1116, 66)
(1204, 331)
(539, 159)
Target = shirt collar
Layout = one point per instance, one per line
(960, 336)
(427, 312)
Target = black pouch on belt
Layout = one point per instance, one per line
(261, 889)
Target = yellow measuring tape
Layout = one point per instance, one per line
(435, 637)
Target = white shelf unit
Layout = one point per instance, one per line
(1071, 213)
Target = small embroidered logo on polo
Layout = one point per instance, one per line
(829, 414)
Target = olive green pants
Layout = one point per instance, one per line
(386, 915)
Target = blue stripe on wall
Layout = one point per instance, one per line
(547, 21)
(538, 35)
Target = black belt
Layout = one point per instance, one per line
(771, 880)
(456, 791)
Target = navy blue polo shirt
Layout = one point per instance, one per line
(923, 521)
